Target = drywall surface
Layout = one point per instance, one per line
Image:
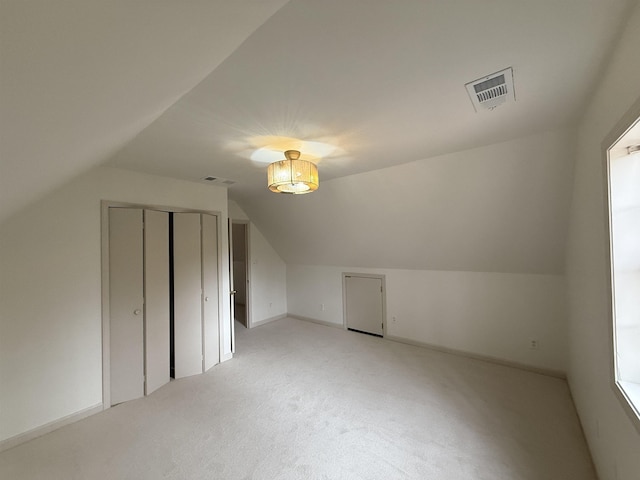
(489, 314)
(50, 292)
(75, 89)
(235, 212)
(267, 273)
(496, 208)
(613, 440)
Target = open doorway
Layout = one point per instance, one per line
(240, 272)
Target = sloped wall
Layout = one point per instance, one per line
(613, 440)
(50, 292)
(497, 208)
(472, 244)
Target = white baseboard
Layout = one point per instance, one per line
(49, 427)
(315, 320)
(268, 320)
(484, 358)
(452, 351)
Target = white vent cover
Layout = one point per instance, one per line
(488, 92)
(217, 181)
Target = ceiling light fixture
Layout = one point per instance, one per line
(292, 175)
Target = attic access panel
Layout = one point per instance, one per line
(491, 91)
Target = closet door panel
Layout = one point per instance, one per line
(210, 290)
(187, 268)
(156, 285)
(126, 303)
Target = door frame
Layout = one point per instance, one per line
(105, 205)
(383, 278)
(247, 256)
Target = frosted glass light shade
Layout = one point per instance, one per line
(292, 175)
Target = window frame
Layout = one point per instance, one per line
(628, 120)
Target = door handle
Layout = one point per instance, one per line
(206, 299)
(233, 292)
(137, 311)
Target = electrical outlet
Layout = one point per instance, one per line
(534, 344)
(270, 305)
(322, 307)
(393, 319)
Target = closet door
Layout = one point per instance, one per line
(210, 290)
(126, 303)
(156, 295)
(187, 291)
(364, 304)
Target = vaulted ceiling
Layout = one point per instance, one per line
(193, 90)
(80, 79)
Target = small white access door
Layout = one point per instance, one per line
(187, 294)
(364, 304)
(126, 304)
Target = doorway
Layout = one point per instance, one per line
(364, 303)
(240, 255)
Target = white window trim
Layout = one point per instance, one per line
(627, 393)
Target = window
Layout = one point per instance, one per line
(624, 229)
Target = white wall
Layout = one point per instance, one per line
(613, 440)
(267, 273)
(497, 208)
(489, 314)
(50, 292)
(75, 90)
(268, 279)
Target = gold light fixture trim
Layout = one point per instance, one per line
(292, 175)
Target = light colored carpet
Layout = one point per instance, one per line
(305, 401)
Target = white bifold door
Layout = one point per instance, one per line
(138, 302)
(126, 304)
(211, 323)
(195, 290)
(156, 292)
(140, 298)
(187, 295)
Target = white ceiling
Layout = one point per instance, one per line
(79, 79)
(191, 89)
(384, 81)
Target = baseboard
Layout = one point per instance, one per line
(315, 320)
(452, 351)
(49, 427)
(485, 358)
(268, 320)
(225, 356)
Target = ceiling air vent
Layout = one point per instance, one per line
(491, 91)
(217, 181)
